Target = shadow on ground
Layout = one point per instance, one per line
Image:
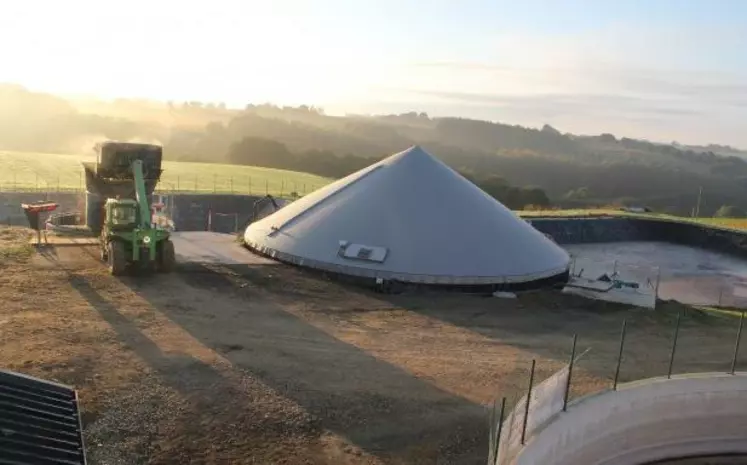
(544, 322)
(380, 408)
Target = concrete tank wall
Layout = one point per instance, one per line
(587, 230)
(190, 211)
(11, 212)
(646, 421)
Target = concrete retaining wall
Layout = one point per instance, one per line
(586, 230)
(190, 211)
(12, 213)
(646, 421)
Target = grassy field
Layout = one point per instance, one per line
(55, 172)
(729, 223)
(45, 172)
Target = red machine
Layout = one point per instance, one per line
(33, 211)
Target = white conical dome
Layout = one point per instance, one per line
(409, 218)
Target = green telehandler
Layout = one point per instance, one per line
(126, 173)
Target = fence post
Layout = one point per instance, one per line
(656, 289)
(620, 354)
(674, 344)
(526, 406)
(235, 222)
(736, 345)
(500, 430)
(570, 372)
(614, 267)
(491, 433)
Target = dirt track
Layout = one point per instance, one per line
(271, 365)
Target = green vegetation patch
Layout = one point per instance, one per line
(45, 172)
(14, 245)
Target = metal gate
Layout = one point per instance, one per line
(39, 422)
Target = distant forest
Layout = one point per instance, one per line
(520, 166)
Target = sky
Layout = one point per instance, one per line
(658, 69)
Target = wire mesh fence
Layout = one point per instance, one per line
(188, 184)
(514, 420)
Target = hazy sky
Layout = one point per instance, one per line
(660, 69)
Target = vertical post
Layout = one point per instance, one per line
(210, 219)
(526, 406)
(658, 280)
(674, 344)
(570, 373)
(491, 433)
(573, 265)
(620, 354)
(500, 430)
(235, 222)
(736, 345)
(614, 267)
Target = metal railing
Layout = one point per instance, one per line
(531, 411)
(210, 184)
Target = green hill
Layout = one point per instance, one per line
(20, 171)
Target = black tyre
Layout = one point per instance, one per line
(166, 257)
(117, 258)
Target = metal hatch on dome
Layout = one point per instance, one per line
(362, 252)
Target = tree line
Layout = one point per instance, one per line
(258, 151)
(573, 171)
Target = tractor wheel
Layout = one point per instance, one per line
(166, 257)
(117, 258)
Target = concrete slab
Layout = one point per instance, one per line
(214, 248)
(622, 296)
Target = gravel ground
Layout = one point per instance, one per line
(271, 365)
